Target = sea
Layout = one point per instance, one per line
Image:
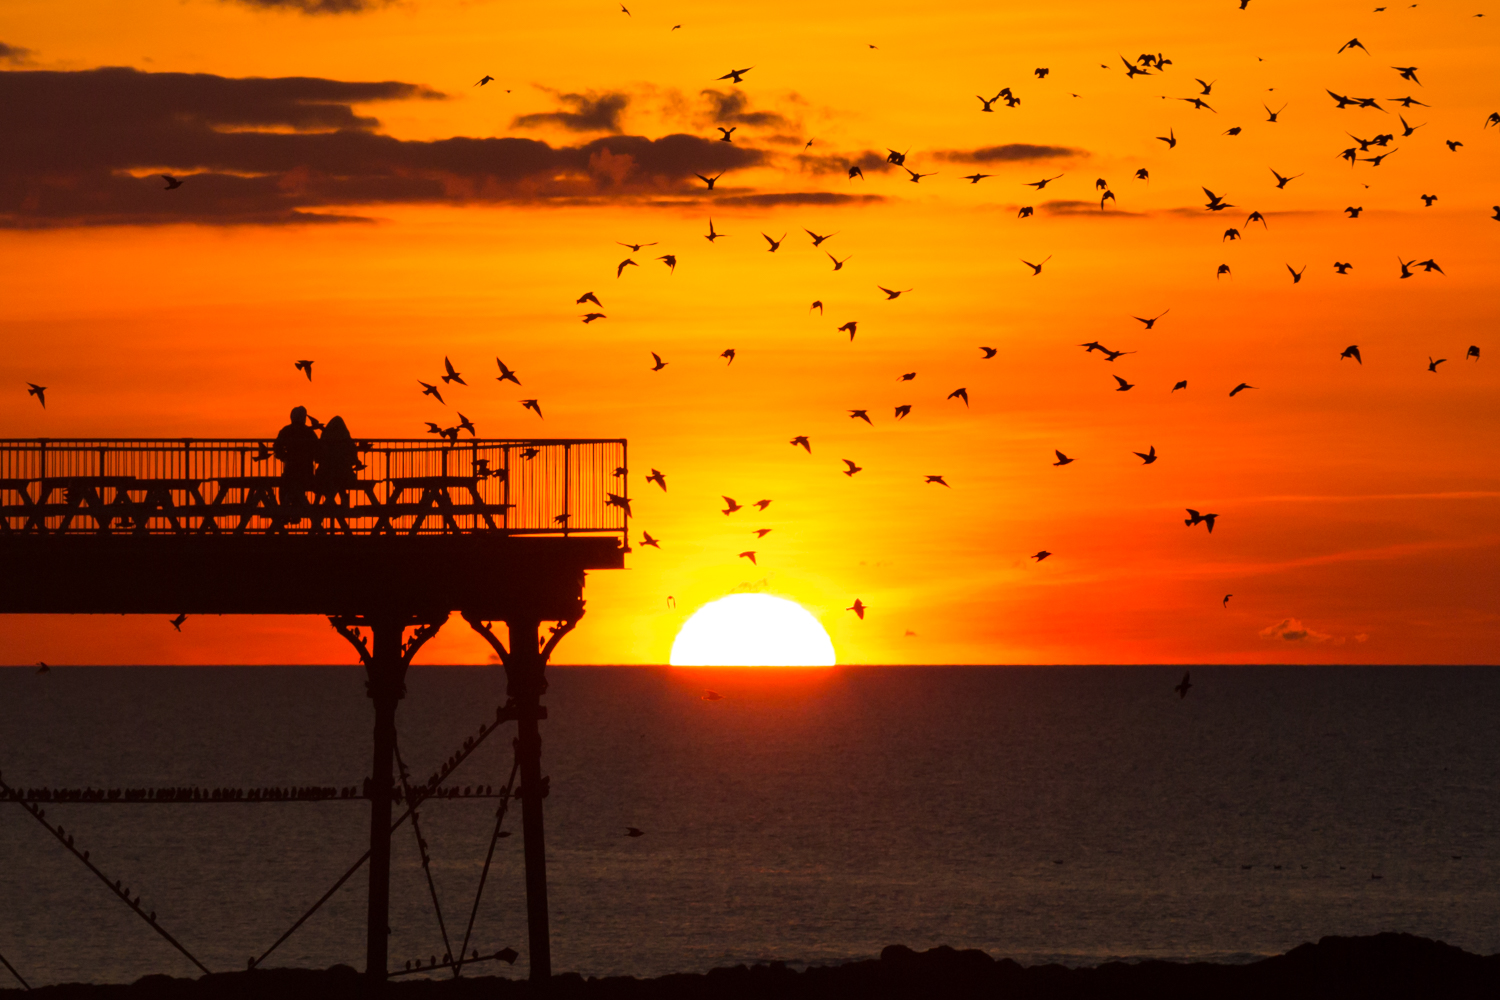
(1045, 814)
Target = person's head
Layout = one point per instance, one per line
(336, 430)
(299, 415)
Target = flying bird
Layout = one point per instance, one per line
(1215, 203)
(452, 375)
(915, 177)
(1408, 73)
(659, 478)
(173, 183)
(1230, 131)
(1430, 265)
(1352, 351)
(818, 305)
(660, 364)
(1240, 388)
(1041, 72)
(976, 178)
(817, 240)
(431, 390)
(1186, 684)
(939, 480)
(749, 554)
(1223, 269)
(1197, 518)
(634, 248)
(506, 375)
(761, 505)
(1061, 458)
(989, 352)
(709, 180)
(631, 831)
(646, 539)
(531, 404)
(775, 244)
(1180, 385)
(1226, 599)
(1025, 212)
(856, 172)
(1198, 103)
(1036, 269)
(1342, 267)
(712, 235)
(858, 607)
(39, 391)
(1427, 199)
(1452, 145)
(1171, 138)
(1353, 43)
(838, 265)
(305, 367)
(735, 74)
(960, 393)
(627, 262)
(464, 424)
(1146, 457)
(1273, 114)
(1152, 321)
(1256, 217)
(1473, 352)
(671, 259)
(1043, 182)
(892, 293)
(728, 353)
(902, 411)
(801, 439)
(728, 135)
(761, 532)
(1282, 182)
(850, 328)
(589, 297)
(1432, 365)
(1041, 555)
(590, 317)
(1354, 211)
(906, 377)
(176, 623)
(860, 415)
(1296, 275)
(852, 468)
(1124, 385)
(730, 506)
(987, 103)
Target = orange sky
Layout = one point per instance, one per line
(1358, 503)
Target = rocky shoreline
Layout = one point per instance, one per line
(1378, 966)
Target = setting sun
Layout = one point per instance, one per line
(752, 630)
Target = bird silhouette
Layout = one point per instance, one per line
(1452, 145)
(1342, 267)
(1180, 385)
(1281, 181)
(976, 178)
(1432, 365)
(960, 393)
(1198, 103)
(730, 354)
(987, 103)
(856, 172)
(1061, 458)
(734, 75)
(728, 135)
(817, 240)
(1353, 43)
(749, 554)
(506, 375)
(1229, 131)
(892, 293)
(39, 391)
(860, 415)
(620, 267)
(1186, 683)
(671, 259)
(1354, 211)
(451, 375)
(906, 377)
(305, 367)
(631, 831)
(634, 248)
(1256, 217)
(173, 183)
(1427, 199)
(1041, 72)
(1025, 212)
(858, 607)
(1152, 321)
(1131, 72)
(989, 352)
(1043, 182)
(712, 235)
(531, 404)
(431, 390)
(899, 159)
(176, 623)
(1296, 275)
(1197, 518)
(801, 439)
(1406, 271)
(1226, 599)
(1352, 351)
(775, 244)
(838, 265)
(818, 305)
(850, 328)
(730, 506)
(902, 411)
(1408, 73)
(1215, 203)
(1407, 128)
(589, 297)
(1146, 457)
(590, 317)
(1124, 385)
(761, 505)
(852, 468)
(938, 480)
(1231, 234)
(42, 668)
(464, 424)
(659, 478)
(646, 539)
(1036, 269)
(1240, 388)
(1273, 114)
(1223, 269)
(1473, 352)
(711, 696)
(915, 177)
(1429, 265)
(660, 364)
(709, 180)
(761, 532)
(1041, 555)
(1171, 138)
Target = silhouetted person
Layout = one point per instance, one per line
(297, 447)
(337, 460)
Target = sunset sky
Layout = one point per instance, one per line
(352, 197)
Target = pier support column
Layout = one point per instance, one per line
(385, 683)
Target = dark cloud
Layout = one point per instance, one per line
(15, 55)
(276, 150)
(839, 163)
(590, 113)
(799, 198)
(1069, 207)
(1011, 152)
(731, 108)
(317, 6)
(1292, 630)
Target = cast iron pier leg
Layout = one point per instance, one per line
(527, 681)
(386, 672)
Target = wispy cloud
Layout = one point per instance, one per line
(590, 112)
(316, 6)
(15, 55)
(1292, 630)
(1013, 152)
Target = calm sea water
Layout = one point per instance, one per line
(1070, 814)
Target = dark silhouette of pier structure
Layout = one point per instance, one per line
(410, 531)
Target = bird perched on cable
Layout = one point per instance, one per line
(852, 468)
(1352, 351)
(532, 404)
(858, 607)
(39, 391)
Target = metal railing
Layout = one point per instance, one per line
(399, 487)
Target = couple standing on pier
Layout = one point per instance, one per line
(325, 465)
